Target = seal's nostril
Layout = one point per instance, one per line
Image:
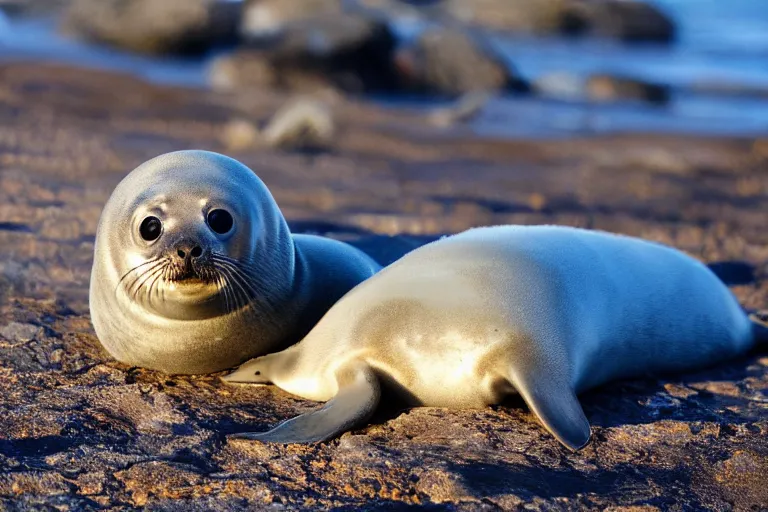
(196, 252)
(181, 253)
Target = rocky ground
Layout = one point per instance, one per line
(81, 432)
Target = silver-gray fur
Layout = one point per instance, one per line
(543, 311)
(197, 301)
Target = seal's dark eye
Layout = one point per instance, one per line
(150, 228)
(220, 221)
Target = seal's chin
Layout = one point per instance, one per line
(191, 290)
(189, 299)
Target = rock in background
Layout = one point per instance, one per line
(352, 45)
(155, 27)
(347, 52)
(601, 88)
(626, 20)
(447, 62)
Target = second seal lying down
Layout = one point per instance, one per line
(543, 311)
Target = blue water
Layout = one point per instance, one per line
(34, 39)
(720, 42)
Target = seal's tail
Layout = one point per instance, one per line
(760, 327)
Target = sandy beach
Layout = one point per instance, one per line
(79, 431)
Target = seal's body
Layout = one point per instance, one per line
(543, 311)
(195, 269)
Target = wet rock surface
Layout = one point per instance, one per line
(81, 432)
(345, 52)
(448, 62)
(601, 88)
(445, 48)
(607, 88)
(147, 26)
(624, 20)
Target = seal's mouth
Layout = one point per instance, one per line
(179, 289)
(187, 283)
(188, 272)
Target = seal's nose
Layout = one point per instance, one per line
(188, 251)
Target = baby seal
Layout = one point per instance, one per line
(543, 311)
(195, 269)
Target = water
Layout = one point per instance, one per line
(34, 39)
(719, 43)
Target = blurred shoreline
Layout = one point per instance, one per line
(713, 72)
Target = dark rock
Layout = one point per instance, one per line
(541, 16)
(450, 62)
(353, 51)
(33, 7)
(347, 52)
(626, 20)
(155, 27)
(20, 333)
(600, 88)
(608, 88)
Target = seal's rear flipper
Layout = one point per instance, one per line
(355, 402)
(554, 402)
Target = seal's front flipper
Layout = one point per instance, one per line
(254, 371)
(554, 402)
(355, 402)
(265, 369)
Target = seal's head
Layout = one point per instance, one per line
(190, 247)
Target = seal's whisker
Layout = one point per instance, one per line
(236, 292)
(233, 297)
(155, 279)
(242, 279)
(242, 265)
(246, 277)
(129, 284)
(139, 289)
(223, 262)
(220, 288)
(224, 257)
(240, 295)
(134, 269)
(242, 276)
(155, 271)
(139, 279)
(221, 283)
